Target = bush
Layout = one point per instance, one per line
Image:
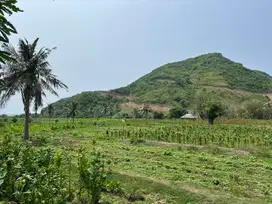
(14, 120)
(254, 110)
(43, 175)
(92, 176)
(176, 112)
(123, 115)
(158, 115)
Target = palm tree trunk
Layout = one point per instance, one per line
(26, 128)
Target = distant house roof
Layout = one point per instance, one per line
(188, 116)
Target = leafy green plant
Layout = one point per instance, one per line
(44, 175)
(14, 119)
(158, 115)
(92, 176)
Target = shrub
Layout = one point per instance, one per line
(176, 112)
(43, 175)
(158, 115)
(92, 175)
(14, 119)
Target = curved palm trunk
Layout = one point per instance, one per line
(27, 114)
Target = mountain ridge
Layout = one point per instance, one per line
(179, 83)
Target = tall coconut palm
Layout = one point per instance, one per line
(72, 111)
(50, 109)
(30, 75)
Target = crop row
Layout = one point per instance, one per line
(233, 136)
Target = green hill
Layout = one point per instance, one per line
(180, 82)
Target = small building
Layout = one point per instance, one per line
(188, 116)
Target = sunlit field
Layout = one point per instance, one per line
(167, 161)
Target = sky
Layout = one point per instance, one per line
(106, 44)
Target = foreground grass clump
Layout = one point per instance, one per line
(45, 175)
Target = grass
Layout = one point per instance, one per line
(167, 172)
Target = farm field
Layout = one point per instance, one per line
(169, 161)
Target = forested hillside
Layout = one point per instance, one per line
(181, 83)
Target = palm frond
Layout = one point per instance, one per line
(48, 88)
(10, 50)
(24, 50)
(37, 95)
(30, 74)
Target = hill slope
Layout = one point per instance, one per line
(179, 82)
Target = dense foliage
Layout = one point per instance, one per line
(90, 104)
(7, 7)
(209, 69)
(178, 84)
(176, 112)
(44, 175)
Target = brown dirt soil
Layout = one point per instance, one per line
(154, 107)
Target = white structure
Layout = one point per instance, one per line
(188, 116)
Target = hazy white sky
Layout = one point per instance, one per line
(105, 44)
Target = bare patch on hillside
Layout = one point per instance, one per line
(154, 107)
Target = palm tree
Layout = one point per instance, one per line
(72, 109)
(28, 75)
(50, 109)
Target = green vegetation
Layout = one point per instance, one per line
(167, 161)
(90, 104)
(209, 69)
(44, 175)
(176, 112)
(72, 111)
(28, 75)
(179, 84)
(7, 7)
(133, 160)
(50, 109)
